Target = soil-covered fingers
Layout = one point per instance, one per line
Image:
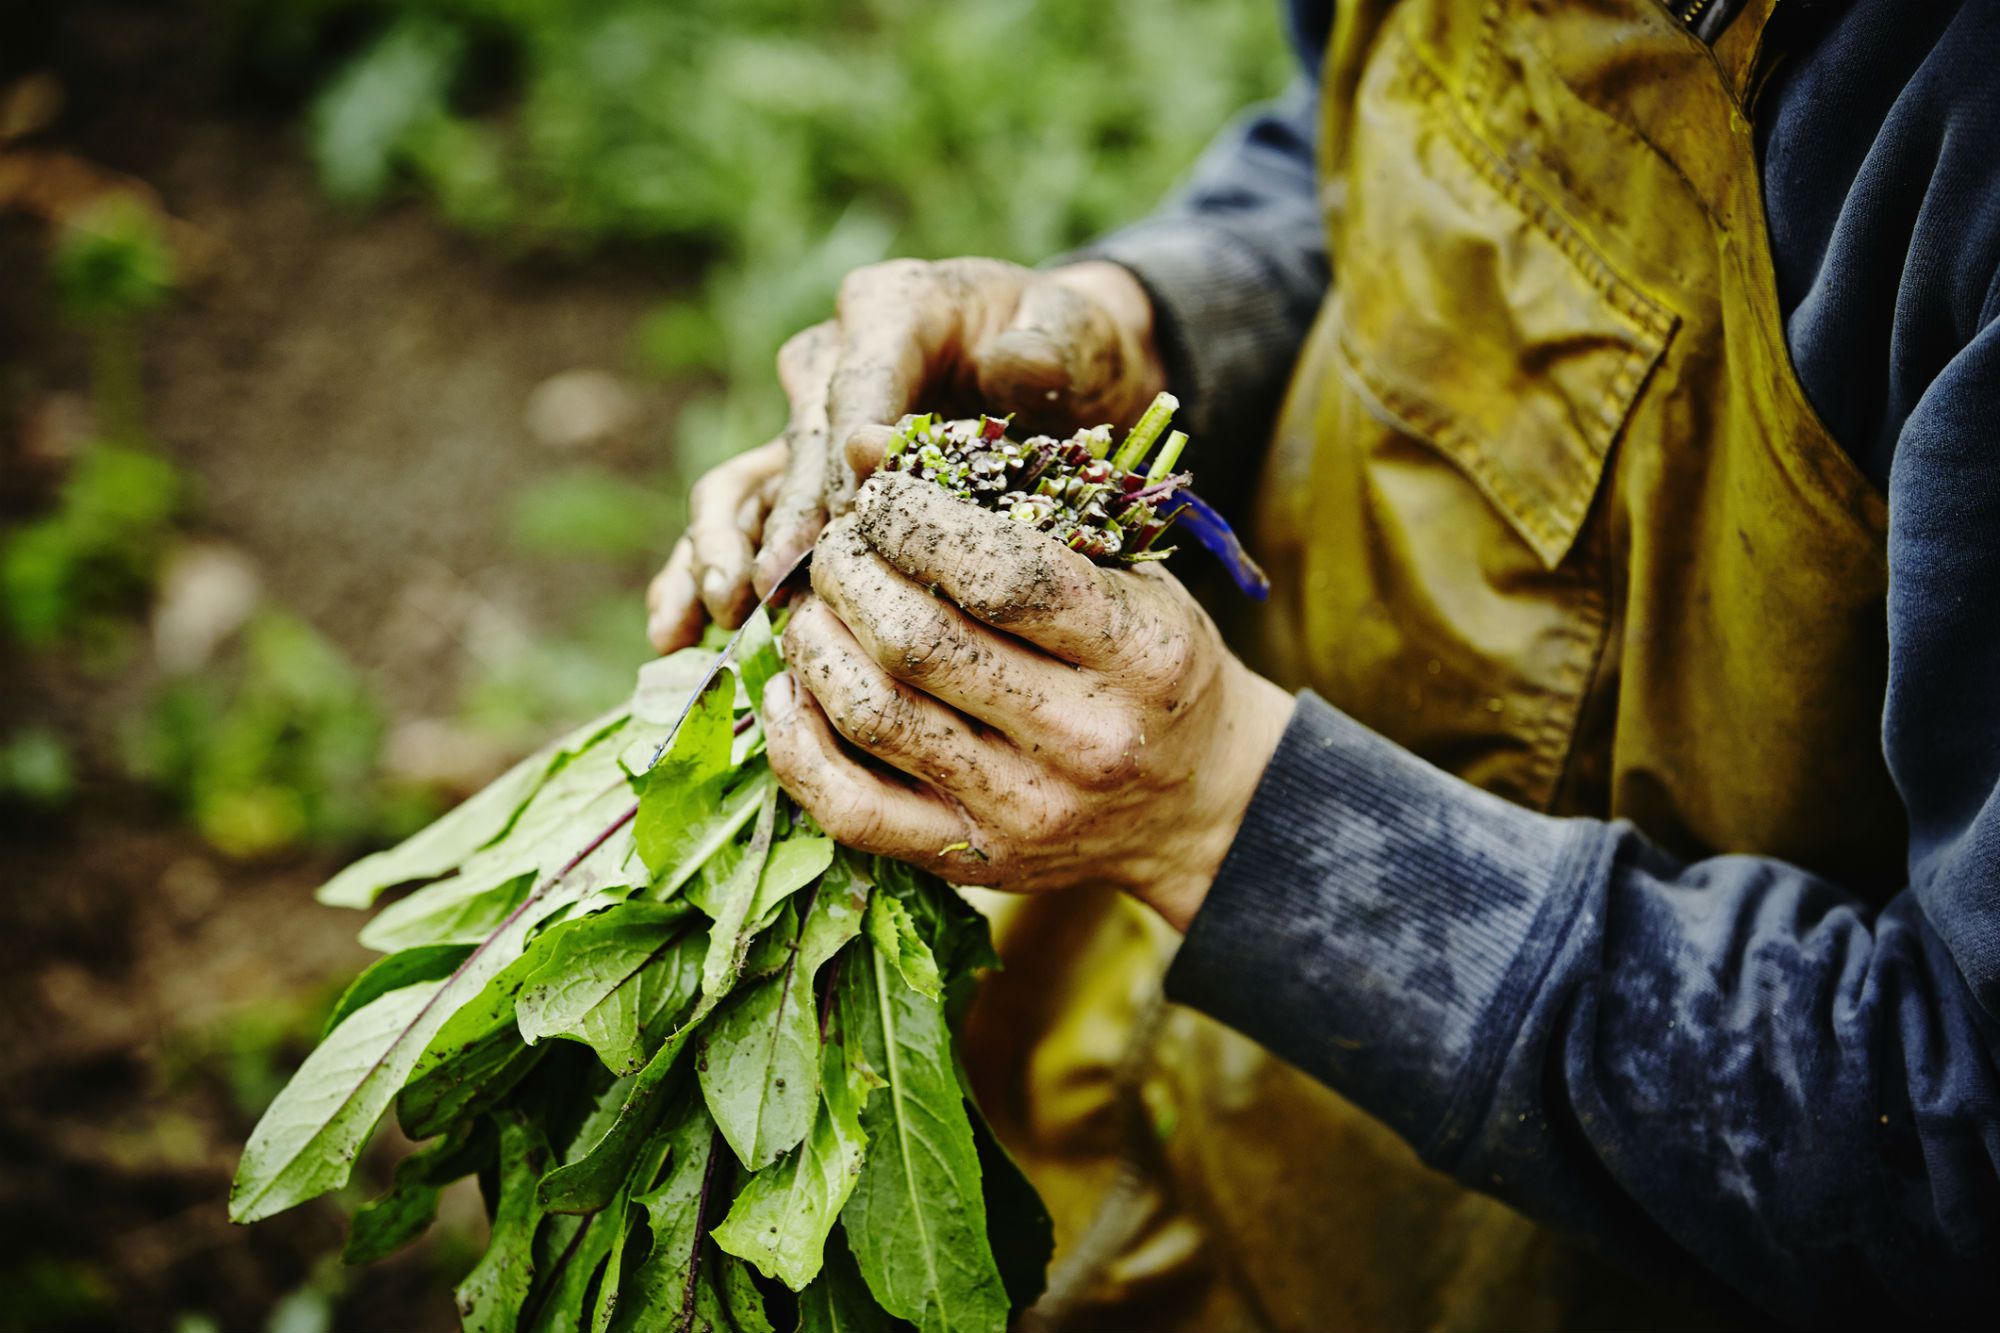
(902, 727)
(1006, 573)
(1061, 360)
(904, 326)
(673, 606)
(725, 518)
(858, 806)
(798, 508)
(924, 641)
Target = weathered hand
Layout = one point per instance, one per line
(1037, 722)
(1064, 348)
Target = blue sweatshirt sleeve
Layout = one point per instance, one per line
(1729, 1061)
(1235, 263)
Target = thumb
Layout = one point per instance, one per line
(1058, 363)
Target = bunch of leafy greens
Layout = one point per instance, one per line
(699, 1057)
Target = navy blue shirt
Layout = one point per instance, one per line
(1729, 1062)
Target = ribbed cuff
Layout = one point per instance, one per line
(1226, 336)
(1380, 924)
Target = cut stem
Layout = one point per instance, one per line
(1148, 430)
(1170, 454)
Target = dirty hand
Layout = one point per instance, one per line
(1038, 722)
(1068, 347)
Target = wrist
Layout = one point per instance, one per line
(1251, 725)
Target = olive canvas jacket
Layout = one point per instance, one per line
(1838, 1031)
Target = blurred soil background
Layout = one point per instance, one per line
(355, 356)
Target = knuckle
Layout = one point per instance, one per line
(1106, 755)
(863, 282)
(796, 357)
(707, 496)
(876, 717)
(923, 650)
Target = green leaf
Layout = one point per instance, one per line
(759, 1064)
(490, 1298)
(794, 863)
(615, 980)
(477, 1054)
(665, 683)
(757, 657)
(654, 1154)
(701, 841)
(570, 1250)
(958, 935)
(685, 1284)
(678, 796)
(838, 1301)
(479, 1074)
(894, 934)
(591, 1182)
(307, 1140)
(730, 937)
(476, 822)
(431, 963)
(385, 1224)
(782, 1216)
(917, 1217)
(462, 910)
(1017, 1221)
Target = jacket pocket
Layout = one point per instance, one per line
(1474, 317)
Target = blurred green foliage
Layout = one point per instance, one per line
(35, 767)
(757, 151)
(79, 572)
(273, 747)
(112, 261)
(780, 143)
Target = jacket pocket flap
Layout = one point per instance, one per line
(1476, 318)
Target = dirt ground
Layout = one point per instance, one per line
(348, 392)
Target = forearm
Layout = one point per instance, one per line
(1730, 1061)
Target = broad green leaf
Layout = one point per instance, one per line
(306, 1142)
(713, 832)
(385, 1224)
(759, 1064)
(479, 820)
(462, 910)
(1017, 1221)
(491, 1296)
(894, 934)
(686, 1285)
(665, 683)
(654, 1154)
(729, 938)
(679, 795)
(308, 1138)
(782, 1216)
(757, 657)
(917, 1218)
(570, 1250)
(838, 1301)
(431, 963)
(477, 1054)
(590, 1182)
(794, 863)
(616, 980)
